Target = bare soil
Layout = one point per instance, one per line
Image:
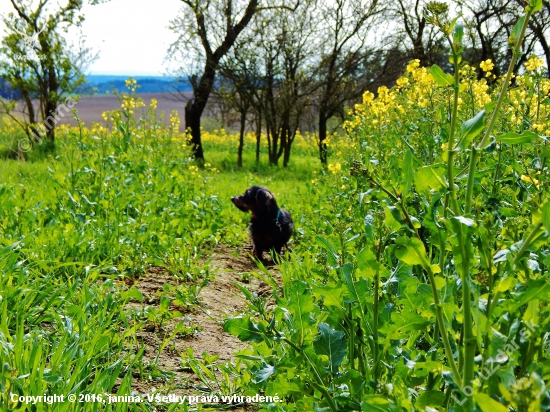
(90, 108)
(218, 300)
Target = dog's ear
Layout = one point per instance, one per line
(263, 200)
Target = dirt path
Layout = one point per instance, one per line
(218, 300)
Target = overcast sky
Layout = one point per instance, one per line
(131, 36)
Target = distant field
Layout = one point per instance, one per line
(90, 108)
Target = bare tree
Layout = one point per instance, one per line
(488, 25)
(539, 25)
(346, 27)
(287, 84)
(420, 40)
(238, 80)
(208, 29)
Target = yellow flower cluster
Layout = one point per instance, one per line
(174, 121)
(487, 65)
(534, 63)
(530, 180)
(413, 65)
(131, 85)
(417, 99)
(129, 103)
(334, 167)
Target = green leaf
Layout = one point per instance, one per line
(407, 173)
(505, 284)
(330, 293)
(394, 220)
(440, 77)
(536, 289)
(470, 129)
(429, 177)
(466, 221)
(244, 329)
(488, 404)
(300, 304)
(357, 291)
(411, 251)
(263, 373)
(516, 31)
(333, 258)
(377, 403)
(546, 216)
(516, 138)
(331, 343)
(430, 398)
(458, 34)
(534, 6)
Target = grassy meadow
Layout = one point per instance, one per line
(418, 278)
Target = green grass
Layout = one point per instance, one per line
(402, 292)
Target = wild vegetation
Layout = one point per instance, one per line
(418, 277)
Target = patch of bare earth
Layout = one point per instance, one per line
(218, 300)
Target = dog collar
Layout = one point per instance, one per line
(276, 220)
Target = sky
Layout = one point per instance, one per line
(131, 36)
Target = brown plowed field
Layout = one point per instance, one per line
(90, 108)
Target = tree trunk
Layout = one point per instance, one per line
(193, 123)
(241, 139)
(323, 137)
(286, 153)
(195, 107)
(258, 137)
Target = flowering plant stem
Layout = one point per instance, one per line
(484, 141)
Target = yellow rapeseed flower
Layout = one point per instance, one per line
(487, 65)
(528, 179)
(533, 63)
(413, 64)
(335, 167)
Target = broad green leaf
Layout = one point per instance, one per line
(534, 5)
(470, 129)
(284, 386)
(466, 221)
(516, 138)
(331, 343)
(430, 398)
(394, 220)
(429, 177)
(301, 305)
(488, 404)
(377, 403)
(516, 31)
(407, 173)
(264, 373)
(331, 294)
(505, 284)
(244, 329)
(440, 77)
(411, 251)
(458, 34)
(332, 257)
(536, 289)
(546, 216)
(357, 291)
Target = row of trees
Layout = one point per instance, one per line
(302, 62)
(279, 66)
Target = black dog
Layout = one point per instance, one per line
(270, 227)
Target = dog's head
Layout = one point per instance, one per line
(256, 199)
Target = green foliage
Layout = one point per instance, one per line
(418, 278)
